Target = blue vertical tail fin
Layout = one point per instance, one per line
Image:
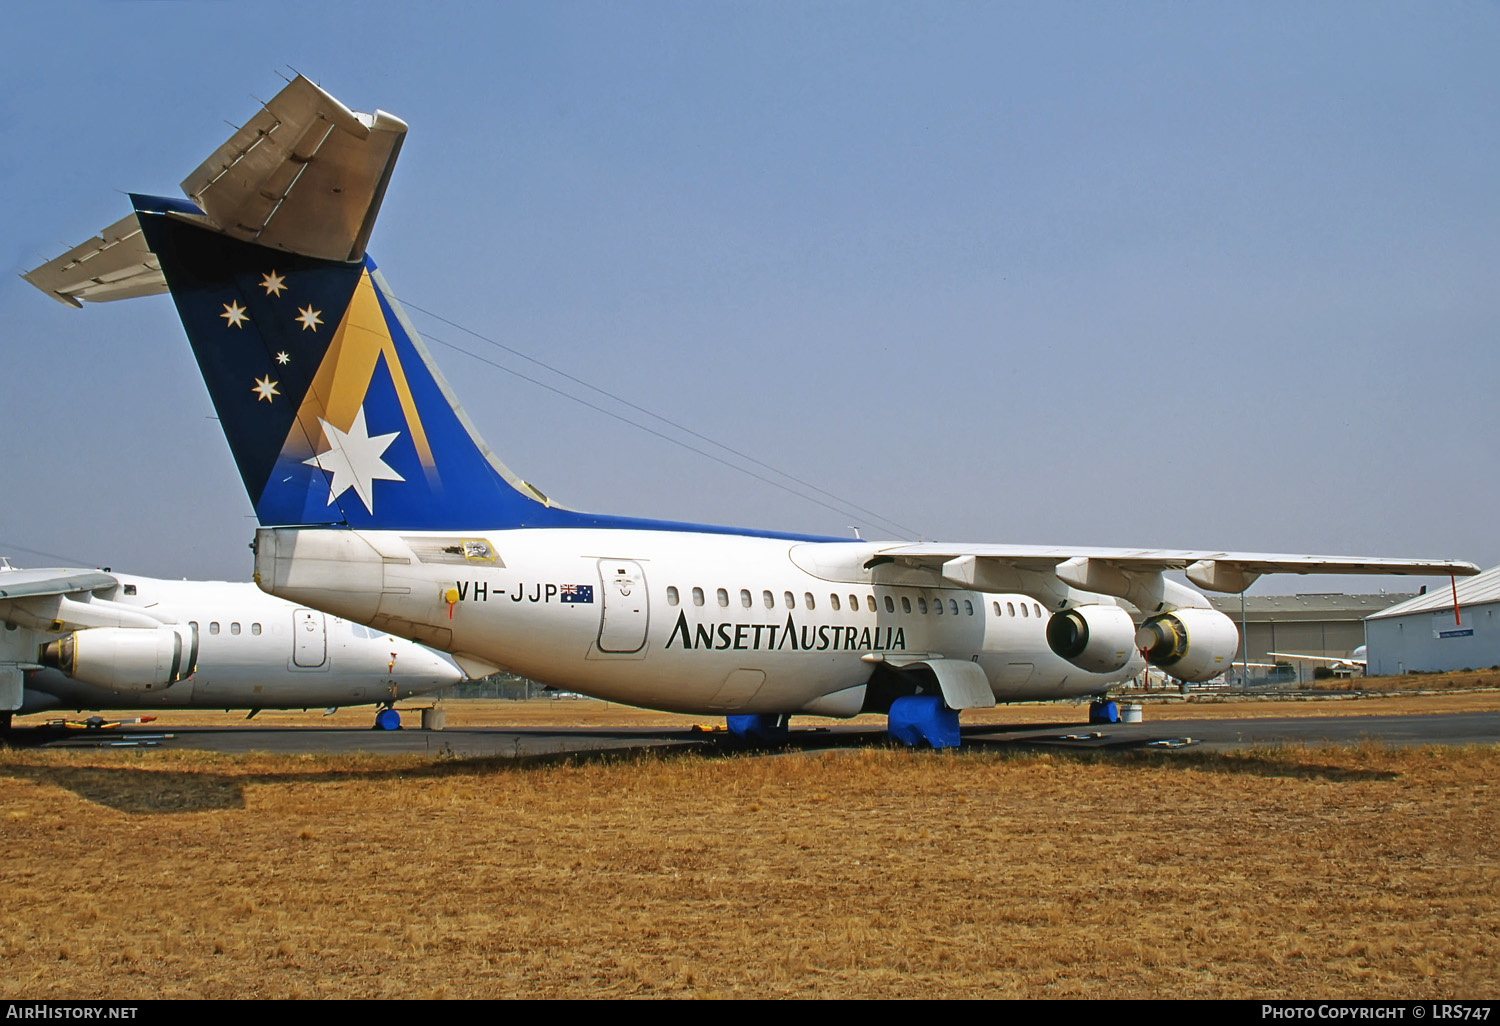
(331, 405)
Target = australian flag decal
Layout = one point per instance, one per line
(576, 592)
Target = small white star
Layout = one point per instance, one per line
(273, 283)
(283, 359)
(309, 317)
(265, 389)
(234, 314)
(354, 460)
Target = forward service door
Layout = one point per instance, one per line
(623, 610)
(309, 639)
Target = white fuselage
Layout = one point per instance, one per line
(691, 622)
(254, 651)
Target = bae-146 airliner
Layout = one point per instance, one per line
(93, 639)
(378, 501)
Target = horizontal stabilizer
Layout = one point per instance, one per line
(115, 264)
(305, 175)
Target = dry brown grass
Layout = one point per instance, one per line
(1351, 872)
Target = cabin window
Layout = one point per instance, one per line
(807, 598)
(890, 604)
(723, 597)
(870, 603)
(1023, 610)
(1010, 607)
(997, 609)
(921, 605)
(213, 627)
(791, 600)
(234, 628)
(697, 596)
(834, 599)
(1038, 610)
(968, 607)
(255, 629)
(671, 595)
(853, 603)
(130, 589)
(905, 604)
(745, 597)
(953, 606)
(768, 599)
(937, 606)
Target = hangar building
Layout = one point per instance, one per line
(1421, 634)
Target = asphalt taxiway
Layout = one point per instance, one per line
(531, 742)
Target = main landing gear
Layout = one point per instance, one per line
(913, 720)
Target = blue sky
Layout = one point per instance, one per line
(1186, 275)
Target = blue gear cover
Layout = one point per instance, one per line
(923, 719)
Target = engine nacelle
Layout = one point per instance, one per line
(1100, 639)
(1190, 644)
(129, 660)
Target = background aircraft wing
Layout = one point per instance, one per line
(19, 584)
(1342, 660)
(1213, 571)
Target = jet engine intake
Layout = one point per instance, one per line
(1095, 638)
(1191, 644)
(129, 660)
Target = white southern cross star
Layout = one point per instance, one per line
(309, 317)
(265, 388)
(283, 358)
(234, 314)
(354, 460)
(273, 283)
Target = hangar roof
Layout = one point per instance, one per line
(1472, 591)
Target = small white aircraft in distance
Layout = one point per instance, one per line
(378, 502)
(91, 639)
(1343, 666)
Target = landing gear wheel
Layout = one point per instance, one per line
(387, 719)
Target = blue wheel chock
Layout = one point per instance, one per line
(760, 729)
(923, 719)
(1107, 711)
(387, 719)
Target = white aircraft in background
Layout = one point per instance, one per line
(378, 502)
(89, 639)
(1343, 666)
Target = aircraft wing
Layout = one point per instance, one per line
(21, 584)
(1231, 572)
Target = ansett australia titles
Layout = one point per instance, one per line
(776, 637)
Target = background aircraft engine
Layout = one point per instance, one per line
(126, 659)
(1095, 638)
(1190, 644)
